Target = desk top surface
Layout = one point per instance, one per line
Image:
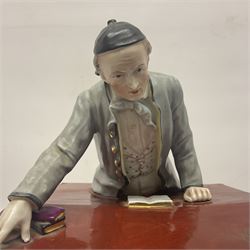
(92, 223)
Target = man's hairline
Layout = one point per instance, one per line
(145, 42)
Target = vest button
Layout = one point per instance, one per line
(114, 149)
(112, 130)
(111, 134)
(117, 163)
(118, 172)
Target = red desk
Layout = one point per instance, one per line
(94, 224)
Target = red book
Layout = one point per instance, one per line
(48, 219)
(50, 214)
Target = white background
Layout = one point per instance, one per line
(47, 61)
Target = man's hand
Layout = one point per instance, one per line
(197, 194)
(17, 214)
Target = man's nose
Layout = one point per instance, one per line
(132, 82)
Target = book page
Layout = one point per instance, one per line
(154, 199)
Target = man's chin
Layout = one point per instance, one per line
(134, 97)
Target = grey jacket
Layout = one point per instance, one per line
(91, 117)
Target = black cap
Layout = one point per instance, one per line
(116, 35)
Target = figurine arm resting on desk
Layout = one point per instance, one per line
(184, 153)
(53, 164)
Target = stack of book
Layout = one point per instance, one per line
(48, 219)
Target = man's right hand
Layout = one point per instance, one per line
(17, 214)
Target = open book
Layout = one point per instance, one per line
(151, 201)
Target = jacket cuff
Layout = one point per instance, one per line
(185, 188)
(28, 196)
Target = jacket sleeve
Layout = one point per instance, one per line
(182, 144)
(60, 158)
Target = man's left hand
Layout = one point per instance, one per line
(197, 194)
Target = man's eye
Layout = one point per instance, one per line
(117, 76)
(139, 69)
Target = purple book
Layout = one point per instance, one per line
(50, 214)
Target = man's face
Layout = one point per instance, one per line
(126, 70)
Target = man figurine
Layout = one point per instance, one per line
(136, 118)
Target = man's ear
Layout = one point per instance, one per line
(102, 76)
(100, 73)
(147, 60)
